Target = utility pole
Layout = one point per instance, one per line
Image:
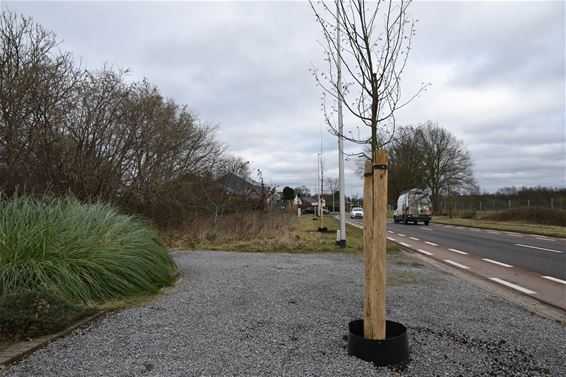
(318, 184)
(342, 187)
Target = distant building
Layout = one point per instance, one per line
(245, 187)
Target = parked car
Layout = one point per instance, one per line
(307, 210)
(357, 213)
(413, 206)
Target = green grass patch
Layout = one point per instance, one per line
(81, 253)
(543, 230)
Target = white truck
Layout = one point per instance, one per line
(413, 206)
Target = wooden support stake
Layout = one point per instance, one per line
(368, 252)
(377, 268)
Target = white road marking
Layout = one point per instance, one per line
(555, 279)
(514, 286)
(402, 235)
(404, 244)
(460, 227)
(496, 262)
(475, 230)
(544, 239)
(422, 227)
(458, 251)
(431, 243)
(493, 231)
(514, 234)
(539, 248)
(413, 238)
(424, 252)
(391, 239)
(457, 264)
(390, 231)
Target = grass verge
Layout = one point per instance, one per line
(294, 235)
(543, 230)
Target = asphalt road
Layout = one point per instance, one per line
(542, 255)
(530, 264)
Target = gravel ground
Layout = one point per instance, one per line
(251, 314)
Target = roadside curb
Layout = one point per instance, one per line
(20, 350)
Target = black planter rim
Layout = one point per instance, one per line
(389, 324)
(394, 349)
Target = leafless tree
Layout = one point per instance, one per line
(169, 144)
(302, 191)
(333, 185)
(374, 47)
(35, 81)
(405, 163)
(427, 157)
(98, 141)
(233, 164)
(97, 135)
(446, 164)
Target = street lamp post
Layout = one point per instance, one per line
(342, 241)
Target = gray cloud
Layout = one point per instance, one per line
(497, 70)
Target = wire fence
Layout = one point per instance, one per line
(487, 204)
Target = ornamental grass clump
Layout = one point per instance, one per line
(82, 253)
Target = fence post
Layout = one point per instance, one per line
(552, 203)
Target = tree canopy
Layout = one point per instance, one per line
(288, 194)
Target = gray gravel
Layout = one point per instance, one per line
(251, 314)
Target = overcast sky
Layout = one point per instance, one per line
(497, 71)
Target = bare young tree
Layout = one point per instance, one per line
(333, 185)
(371, 41)
(374, 47)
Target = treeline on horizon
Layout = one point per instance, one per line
(515, 197)
(98, 135)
